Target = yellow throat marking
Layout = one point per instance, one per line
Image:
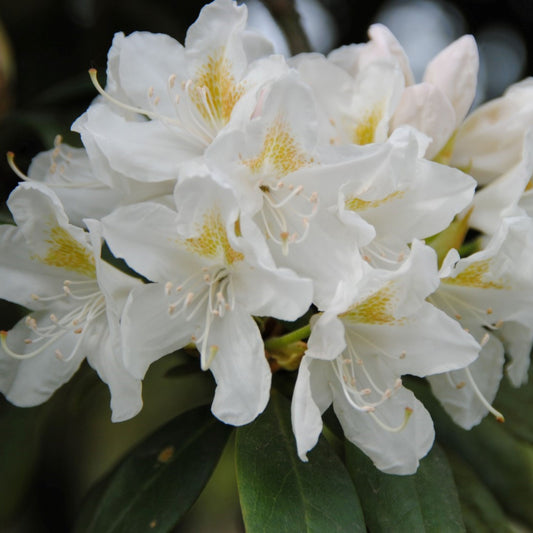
(221, 90)
(473, 276)
(281, 150)
(375, 309)
(66, 252)
(353, 203)
(365, 130)
(213, 241)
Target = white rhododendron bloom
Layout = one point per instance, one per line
(490, 293)
(212, 272)
(164, 103)
(54, 269)
(249, 193)
(372, 334)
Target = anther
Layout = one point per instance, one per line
(27, 341)
(59, 355)
(168, 288)
(402, 355)
(34, 297)
(150, 92)
(489, 311)
(78, 331)
(172, 80)
(53, 317)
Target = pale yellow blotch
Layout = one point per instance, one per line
(365, 130)
(529, 185)
(222, 92)
(280, 151)
(353, 203)
(474, 276)
(375, 309)
(213, 241)
(66, 252)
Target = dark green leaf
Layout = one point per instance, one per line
(481, 511)
(278, 492)
(423, 502)
(503, 463)
(160, 479)
(515, 404)
(20, 446)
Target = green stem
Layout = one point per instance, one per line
(275, 343)
(285, 14)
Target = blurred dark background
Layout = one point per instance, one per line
(46, 48)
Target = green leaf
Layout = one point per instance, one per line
(515, 404)
(481, 511)
(423, 502)
(160, 479)
(280, 493)
(503, 463)
(20, 449)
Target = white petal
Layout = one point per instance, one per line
(32, 381)
(240, 369)
(456, 393)
(146, 62)
(126, 400)
(148, 151)
(426, 108)
(518, 340)
(311, 397)
(391, 452)
(145, 236)
(278, 293)
(149, 331)
(454, 71)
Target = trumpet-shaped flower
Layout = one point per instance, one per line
(211, 273)
(164, 102)
(54, 269)
(489, 143)
(490, 293)
(372, 334)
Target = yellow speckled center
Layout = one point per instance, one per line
(221, 90)
(365, 130)
(66, 252)
(473, 276)
(280, 151)
(353, 203)
(375, 309)
(213, 240)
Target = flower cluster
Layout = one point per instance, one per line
(239, 185)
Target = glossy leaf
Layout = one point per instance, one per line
(280, 493)
(515, 404)
(160, 479)
(423, 502)
(481, 511)
(502, 462)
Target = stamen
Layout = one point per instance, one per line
(14, 168)
(499, 417)
(407, 415)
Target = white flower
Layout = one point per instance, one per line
(54, 268)
(489, 143)
(506, 195)
(164, 102)
(374, 332)
(490, 293)
(212, 272)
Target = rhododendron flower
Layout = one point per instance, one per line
(54, 268)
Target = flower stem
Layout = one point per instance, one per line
(275, 343)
